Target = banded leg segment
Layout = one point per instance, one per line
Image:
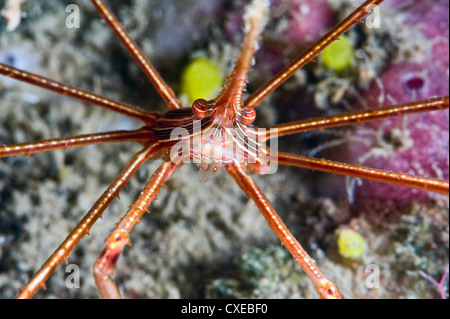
(325, 288)
(427, 184)
(435, 104)
(311, 53)
(63, 251)
(160, 85)
(140, 135)
(104, 267)
(63, 89)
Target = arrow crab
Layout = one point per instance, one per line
(185, 241)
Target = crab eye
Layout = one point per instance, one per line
(248, 115)
(200, 108)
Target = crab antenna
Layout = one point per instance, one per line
(255, 20)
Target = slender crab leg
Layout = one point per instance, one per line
(434, 104)
(163, 89)
(428, 184)
(325, 288)
(366, 8)
(104, 267)
(63, 251)
(74, 141)
(63, 89)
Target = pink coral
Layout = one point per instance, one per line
(424, 140)
(308, 20)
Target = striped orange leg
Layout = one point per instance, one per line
(407, 180)
(140, 135)
(428, 184)
(104, 267)
(325, 288)
(63, 251)
(435, 104)
(367, 7)
(163, 89)
(63, 89)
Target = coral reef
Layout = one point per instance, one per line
(201, 239)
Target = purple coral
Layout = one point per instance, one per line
(423, 146)
(440, 286)
(307, 19)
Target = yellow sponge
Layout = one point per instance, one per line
(351, 244)
(339, 55)
(201, 79)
